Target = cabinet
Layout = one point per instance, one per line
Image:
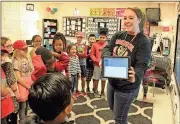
(49, 30)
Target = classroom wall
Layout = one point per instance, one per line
(18, 23)
(23, 22)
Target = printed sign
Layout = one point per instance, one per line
(96, 11)
(120, 12)
(108, 11)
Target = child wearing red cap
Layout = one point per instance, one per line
(23, 69)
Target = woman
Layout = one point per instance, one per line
(37, 41)
(10, 79)
(7, 44)
(131, 42)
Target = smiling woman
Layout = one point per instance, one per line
(133, 43)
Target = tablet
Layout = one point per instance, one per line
(115, 67)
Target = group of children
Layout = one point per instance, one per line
(75, 61)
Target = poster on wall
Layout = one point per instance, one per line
(109, 12)
(120, 12)
(96, 12)
(71, 25)
(93, 23)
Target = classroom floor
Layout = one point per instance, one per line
(162, 109)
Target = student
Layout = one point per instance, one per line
(37, 41)
(50, 99)
(89, 62)
(7, 106)
(74, 67)
(95, 55)
(131, 42)
(23, 69)
(59, 47)
(82, 54)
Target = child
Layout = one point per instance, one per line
(74, 67)
(7, 106)
(89, 62)
(50, 99)
(23, 69)
(59, 46)
(95, 54)
(82, 54)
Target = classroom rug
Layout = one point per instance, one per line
(91, 110)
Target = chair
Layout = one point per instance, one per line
(159, 71)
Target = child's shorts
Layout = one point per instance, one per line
(89, 74)
(83, 71)
(97, 74)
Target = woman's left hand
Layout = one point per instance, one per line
(131, 75)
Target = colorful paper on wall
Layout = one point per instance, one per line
(120, 12)
(96, 11)
(108, 11)
(143, 10)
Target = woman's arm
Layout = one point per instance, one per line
(143, 56)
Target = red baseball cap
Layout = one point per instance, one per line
(19, 44)
(4, 49)
(80, 34)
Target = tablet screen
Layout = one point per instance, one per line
(116, 67)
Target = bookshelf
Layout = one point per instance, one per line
(49, 30)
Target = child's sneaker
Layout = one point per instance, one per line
(96, 94)
(102, 94)
(88, 90)
(76, 94)
(83, 93)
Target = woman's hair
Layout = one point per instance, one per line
(4, 40)
(59, 36)
(69, 47)
(141, 16)
(51, 92)
(34, 37)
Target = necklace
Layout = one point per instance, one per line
(131, 39)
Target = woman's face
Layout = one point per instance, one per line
(37, 41)
(58, 45)
(131, 21)
(8, 46)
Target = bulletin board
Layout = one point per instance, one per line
(93, 23)
(71, 25)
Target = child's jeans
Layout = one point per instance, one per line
(74, 82)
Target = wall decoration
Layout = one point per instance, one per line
(73, 24)
(76, 12)
(120, 12)
(52, 11)
(93, 23)
(96, 12)
(30, 7)
(109, 12)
